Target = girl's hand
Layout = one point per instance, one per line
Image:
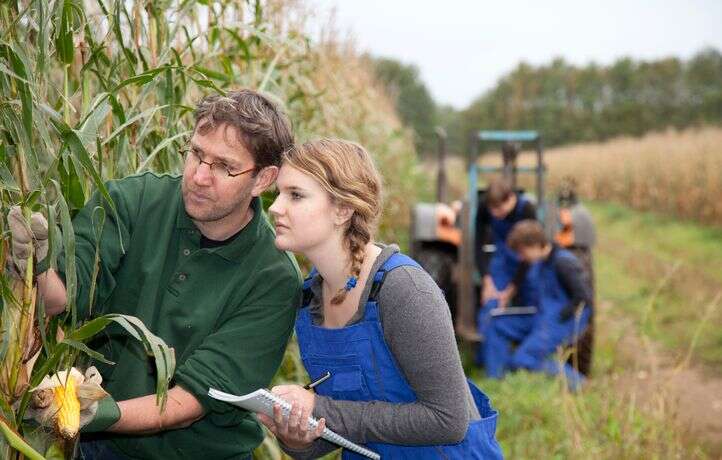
(293, 430)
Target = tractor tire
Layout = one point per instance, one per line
(583, 349)
(440, 265)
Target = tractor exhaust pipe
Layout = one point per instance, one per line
(441, 173)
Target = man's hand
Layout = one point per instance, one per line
(488, 290)
(25, 237)
(506, 296)
(97, 406)
(293, 430)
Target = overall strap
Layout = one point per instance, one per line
(307, 291)
(395, 261)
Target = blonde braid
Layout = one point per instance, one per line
(357, 237)
(346, 171)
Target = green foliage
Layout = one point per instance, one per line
(641, 248)
(92, 90)
(569, 103)
(414, 103)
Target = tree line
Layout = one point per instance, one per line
(568, 103)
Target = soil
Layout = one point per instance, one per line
(690, 392)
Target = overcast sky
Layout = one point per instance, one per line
(463, 47)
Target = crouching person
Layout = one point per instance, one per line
(565, 305)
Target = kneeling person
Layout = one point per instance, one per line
(565, 304)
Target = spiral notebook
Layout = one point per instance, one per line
(262, 401)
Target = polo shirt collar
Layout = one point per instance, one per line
(242, 244)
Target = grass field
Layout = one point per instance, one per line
(646, 399)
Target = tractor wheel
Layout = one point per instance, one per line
(440, 265)
(584, 347)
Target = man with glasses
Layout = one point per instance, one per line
(199, 267)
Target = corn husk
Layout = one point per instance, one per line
(23, 341)
(65, 400)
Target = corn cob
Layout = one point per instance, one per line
(68, 407)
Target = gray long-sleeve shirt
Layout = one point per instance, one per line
(418, 330)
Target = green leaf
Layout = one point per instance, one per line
(210, 73)
(142, 78)
(19, 68)
(71, 187)
(71, 139)
(164, 356)
(71, 276)
(64, 33)
(160, 147)
(55, 452)
(85, 349)
(145, 114)
(89, 130)
(90, 329)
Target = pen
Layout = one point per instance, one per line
(318, 381)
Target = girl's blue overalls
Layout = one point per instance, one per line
(363, 369)
(502, 268)
(539, 335)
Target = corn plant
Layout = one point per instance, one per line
(92, 90)
(677, 173)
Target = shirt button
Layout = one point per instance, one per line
(186, 252)
(182, 277)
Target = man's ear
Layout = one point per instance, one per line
(343, 215)
(264, 179)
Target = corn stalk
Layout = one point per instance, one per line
(92, 90)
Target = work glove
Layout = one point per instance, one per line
(96, 414)
(25, 237)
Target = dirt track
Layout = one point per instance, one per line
(660, 378)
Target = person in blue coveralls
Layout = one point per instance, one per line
(505, 278)
(504, 275)
(374, 320)
(565, 304)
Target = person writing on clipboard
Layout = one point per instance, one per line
(372, 318)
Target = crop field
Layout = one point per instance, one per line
(97, 90)
(678, 173)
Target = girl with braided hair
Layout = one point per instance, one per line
(373, 319)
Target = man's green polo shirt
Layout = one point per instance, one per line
(227, 311)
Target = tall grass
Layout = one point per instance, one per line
(92, 90)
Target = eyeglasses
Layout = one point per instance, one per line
(219, 169)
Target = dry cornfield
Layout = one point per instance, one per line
(97, 90)
(671, 172)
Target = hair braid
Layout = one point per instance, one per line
(346, 171)
(357, 237)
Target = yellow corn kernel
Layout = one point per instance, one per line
(68, 406)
